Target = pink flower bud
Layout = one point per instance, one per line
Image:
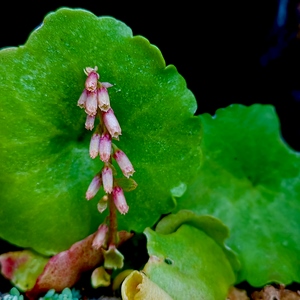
(103, 99)
(124, 163)
(111, 123)
(100, 237)
(93, 187)
(82, 99)
(94, 145)
(107, 179)
(105, 147)
(89, 123)
(91, 104)
(92, 81)
(119, 200)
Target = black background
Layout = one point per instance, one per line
(228, 52)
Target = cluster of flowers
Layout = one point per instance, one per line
(96, 102)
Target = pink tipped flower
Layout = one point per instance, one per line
(124, 163)
(92, 80)
(94, 145)
(93, 187)
(89, 123)
(82, 99)
(91, 104)
(105, 147)
(103, 99)
(107, 179)
(119, 200)
(112, 123)
(100, 237)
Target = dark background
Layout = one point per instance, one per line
(228, 52)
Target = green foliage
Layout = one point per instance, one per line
(45, 167)
(232, 168)
(188, 258)
(14, 294)
(250, 180)
(66, 294)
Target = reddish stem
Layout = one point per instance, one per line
(113, 224)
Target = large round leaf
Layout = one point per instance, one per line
(250, 179)
(45, 166)
(188, 264)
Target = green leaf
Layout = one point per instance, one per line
(45, 166)
(250, 180)
(188, 264)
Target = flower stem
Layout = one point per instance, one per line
(113, 224)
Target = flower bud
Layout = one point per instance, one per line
(93, 187)
(91, 104)
(92, 81)
(124, 163)
(105, 147)
(119, 200)
(111, 123)
(107, 179)
(89, 123)
(82, 99)
(94, 145)
(100, 237)
(103, 99)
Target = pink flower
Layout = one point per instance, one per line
(124, 163)
(100, 237)
(119, 200)
(91, 104)
(92, 81)
(105, 147)
(89, 123)
(107, 179)
(94, 145)
(93, 187)
(82, 99)
(103, 99)
(111, 123)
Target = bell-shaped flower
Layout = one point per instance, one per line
(103, 99)
(89, 122)
(124, 163)
(91, 82)
(119, 200)
(111, 123)
(82, 99)
(94, 145)
(91, 104)
(107, 179)
(100, 237)
(94, 187)
(105, 147)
